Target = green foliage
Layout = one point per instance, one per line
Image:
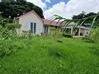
(12, 9)
(55, 32)
(7, 0)
(5, 33)
(88, 39)
(80, 16)
(90, 21)
(8, 28)
(21, 1)
(67, 35)
(9, 23)
(24, 56)
(13, 26)
(95, 35)
(7, 47)
(83, 15)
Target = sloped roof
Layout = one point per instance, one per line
(52, 22)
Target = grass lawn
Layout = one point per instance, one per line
(44, 55)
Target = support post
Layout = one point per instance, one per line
(79, 32)
(71, 30)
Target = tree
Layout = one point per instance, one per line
(90, 14)
(12, 8)
(7, 0)
(21, 0)
(80, 16)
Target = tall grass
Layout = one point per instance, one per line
(45, 55)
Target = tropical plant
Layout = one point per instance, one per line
(8, 28)
(79, 20)
(95, 35)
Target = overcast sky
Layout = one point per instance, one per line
(66, 8)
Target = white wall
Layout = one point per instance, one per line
(26, 20)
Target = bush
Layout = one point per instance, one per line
(6, 48)
(88, 39)
(67, 35)
(9, 46)
(7, 37)
(95, 35)
(5, 33)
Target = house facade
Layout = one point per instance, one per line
(30, 22)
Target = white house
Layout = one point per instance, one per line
(30, 22)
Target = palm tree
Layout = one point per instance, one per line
(79, 22)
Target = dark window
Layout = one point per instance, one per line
(33, 27)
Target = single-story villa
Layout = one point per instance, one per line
(32, 23)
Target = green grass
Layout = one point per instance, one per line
(44, 55)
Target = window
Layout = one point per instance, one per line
(33, 27)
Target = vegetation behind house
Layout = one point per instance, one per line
(12, 8)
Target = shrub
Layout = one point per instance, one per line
(88, 39)
(95, 35)
(67, 35)
(5, 33)
(9, 46)
(6, 48)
